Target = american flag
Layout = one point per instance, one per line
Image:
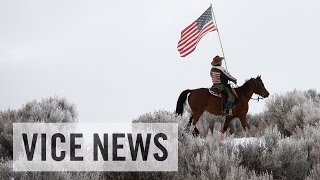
(192, 34)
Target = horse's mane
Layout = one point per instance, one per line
(246, 84)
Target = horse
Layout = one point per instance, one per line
(201, 100)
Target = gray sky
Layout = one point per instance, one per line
(116, 60)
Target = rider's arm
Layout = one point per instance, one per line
(227, 76)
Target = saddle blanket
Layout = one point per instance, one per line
(214, 93)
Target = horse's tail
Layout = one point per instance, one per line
(182, 98)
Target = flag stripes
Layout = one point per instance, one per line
(192, 34)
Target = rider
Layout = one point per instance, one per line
(220, 78)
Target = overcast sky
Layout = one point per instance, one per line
(116, 60)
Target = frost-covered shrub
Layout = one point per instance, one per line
(271, 138)
(250, 156)
(6, 140)
(243, 173)
(314, 173)
(197, 156)
(294, 109)
(271, 155)
(59, 175)
(204, 157)
(279, 156)
(49, 110)
(257, 125)
(311, 137)
(293, 157)
(5, 169)
(157, 117)
(208, 123)
(6, 173)
(289, 159)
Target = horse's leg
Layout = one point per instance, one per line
(244, 122)
(190, 121)
(198, 102)
(226, 124)
(195, 132)
(196, 118)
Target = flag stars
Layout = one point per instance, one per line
(192, 34)
(204, 18)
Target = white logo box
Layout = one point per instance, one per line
(74, 150)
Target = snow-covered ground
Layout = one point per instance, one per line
(242, 141)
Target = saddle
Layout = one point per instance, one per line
(223, 96)
(216, 92)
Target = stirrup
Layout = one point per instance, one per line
(227, 112)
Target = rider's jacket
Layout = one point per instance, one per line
(220, 76)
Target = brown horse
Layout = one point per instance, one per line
(201, 100)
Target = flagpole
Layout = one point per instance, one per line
(225, 62)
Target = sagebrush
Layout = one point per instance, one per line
(284, 142)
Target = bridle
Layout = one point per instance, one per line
(258, 96)
(234, 85)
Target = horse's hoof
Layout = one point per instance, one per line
(222, 135)
(195, 133)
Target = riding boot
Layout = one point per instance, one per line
(227, 106)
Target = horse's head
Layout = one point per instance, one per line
(259, 87)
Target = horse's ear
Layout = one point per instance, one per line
(259, 76)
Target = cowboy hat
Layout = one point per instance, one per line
(216, 60)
